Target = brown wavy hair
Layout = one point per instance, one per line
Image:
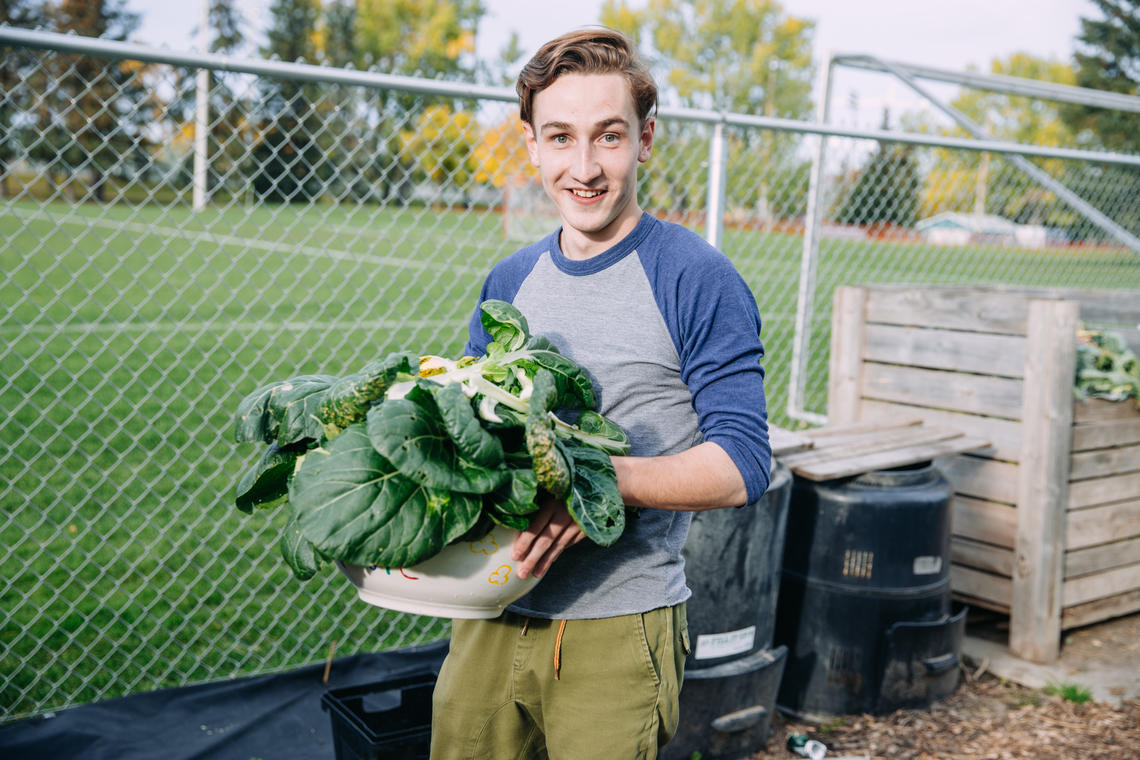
(594, 50)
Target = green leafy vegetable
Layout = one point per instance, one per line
(352, 504)
(388, 465)
(1106, 367)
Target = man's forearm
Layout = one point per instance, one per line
(703, 477)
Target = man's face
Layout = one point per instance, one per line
(587, 141)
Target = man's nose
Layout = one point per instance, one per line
(586, 166)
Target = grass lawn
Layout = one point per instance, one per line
(129, 334)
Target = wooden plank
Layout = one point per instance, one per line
(1102, 434)
(820, 435)
(1004, 435)
(984, 520)
(1089, 493)
(857, 445)
(885, 460)
(1101, 462)
(1103, 524)
(1096, 559)
(848, 321)
(949, 308)
(995, 588)
(955, 391)
(1042, 488)
(981, 556)
(975, 602)
(1109, 583)
(1102, 609)
(1098, 409)
(952, 350)
(982, 478)
(786, 442)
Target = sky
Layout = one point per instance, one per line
(952, 34)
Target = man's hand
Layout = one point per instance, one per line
(552, 530)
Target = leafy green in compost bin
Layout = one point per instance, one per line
(390, 464)
(1106, 367)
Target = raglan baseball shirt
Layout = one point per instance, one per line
(669, 334)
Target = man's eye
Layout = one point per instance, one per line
(610, 137)
(560, 139)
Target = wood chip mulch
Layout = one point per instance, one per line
(984, 719)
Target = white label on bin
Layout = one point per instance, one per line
(928, 565)
(711, 645)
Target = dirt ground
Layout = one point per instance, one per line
(989, 718)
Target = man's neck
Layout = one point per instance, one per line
(579, 246)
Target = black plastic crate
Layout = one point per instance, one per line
(384, 720)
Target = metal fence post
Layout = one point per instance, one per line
(201, 119)
(714, 210)
(801, 342)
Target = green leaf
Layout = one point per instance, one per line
(294, 404)
(349, 399)
(603, 433)
(253, 423)
(544, 395)
(551, 467)
(504, 323)
(474, 442)
(266, 483)
(540, 343)
(596, 503)
(518, 496)
(299, 552)
(575, 391)
(411, 434)
(353, 505)
(507, 520)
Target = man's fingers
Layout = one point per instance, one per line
(565, 541)
(550, 532)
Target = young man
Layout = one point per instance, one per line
(589, 664)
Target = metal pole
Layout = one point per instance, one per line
(801, 341)
(202, 117)
(1040, 176)
(714, 209)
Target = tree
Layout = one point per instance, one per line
(981, 183)
(430, 38)
(744, 56)
(418, 37)
(93, 114)
(501, 154)
(885, 190)
(1108, 58)
(443, 145)
(733, 55)
(288, 162)
(15, 65)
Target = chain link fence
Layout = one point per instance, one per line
(340, 216)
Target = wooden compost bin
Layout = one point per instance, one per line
(1046, 522)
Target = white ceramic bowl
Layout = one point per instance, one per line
(473, 579)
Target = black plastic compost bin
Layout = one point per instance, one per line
(732, 564)
(864, 604)
(385, 720)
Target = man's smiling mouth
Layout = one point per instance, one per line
(586, 193)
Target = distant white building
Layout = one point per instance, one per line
(952, 228)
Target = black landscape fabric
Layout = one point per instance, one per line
(267, 717)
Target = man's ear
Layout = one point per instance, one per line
(645, 147)
(531, 143)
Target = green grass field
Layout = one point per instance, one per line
(129, 334)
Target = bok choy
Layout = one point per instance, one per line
(390, 464)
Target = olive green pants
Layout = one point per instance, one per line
(517, 688)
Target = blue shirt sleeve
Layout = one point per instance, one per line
(715, 323)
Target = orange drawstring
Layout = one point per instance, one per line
(526, 624)
(558, 648)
